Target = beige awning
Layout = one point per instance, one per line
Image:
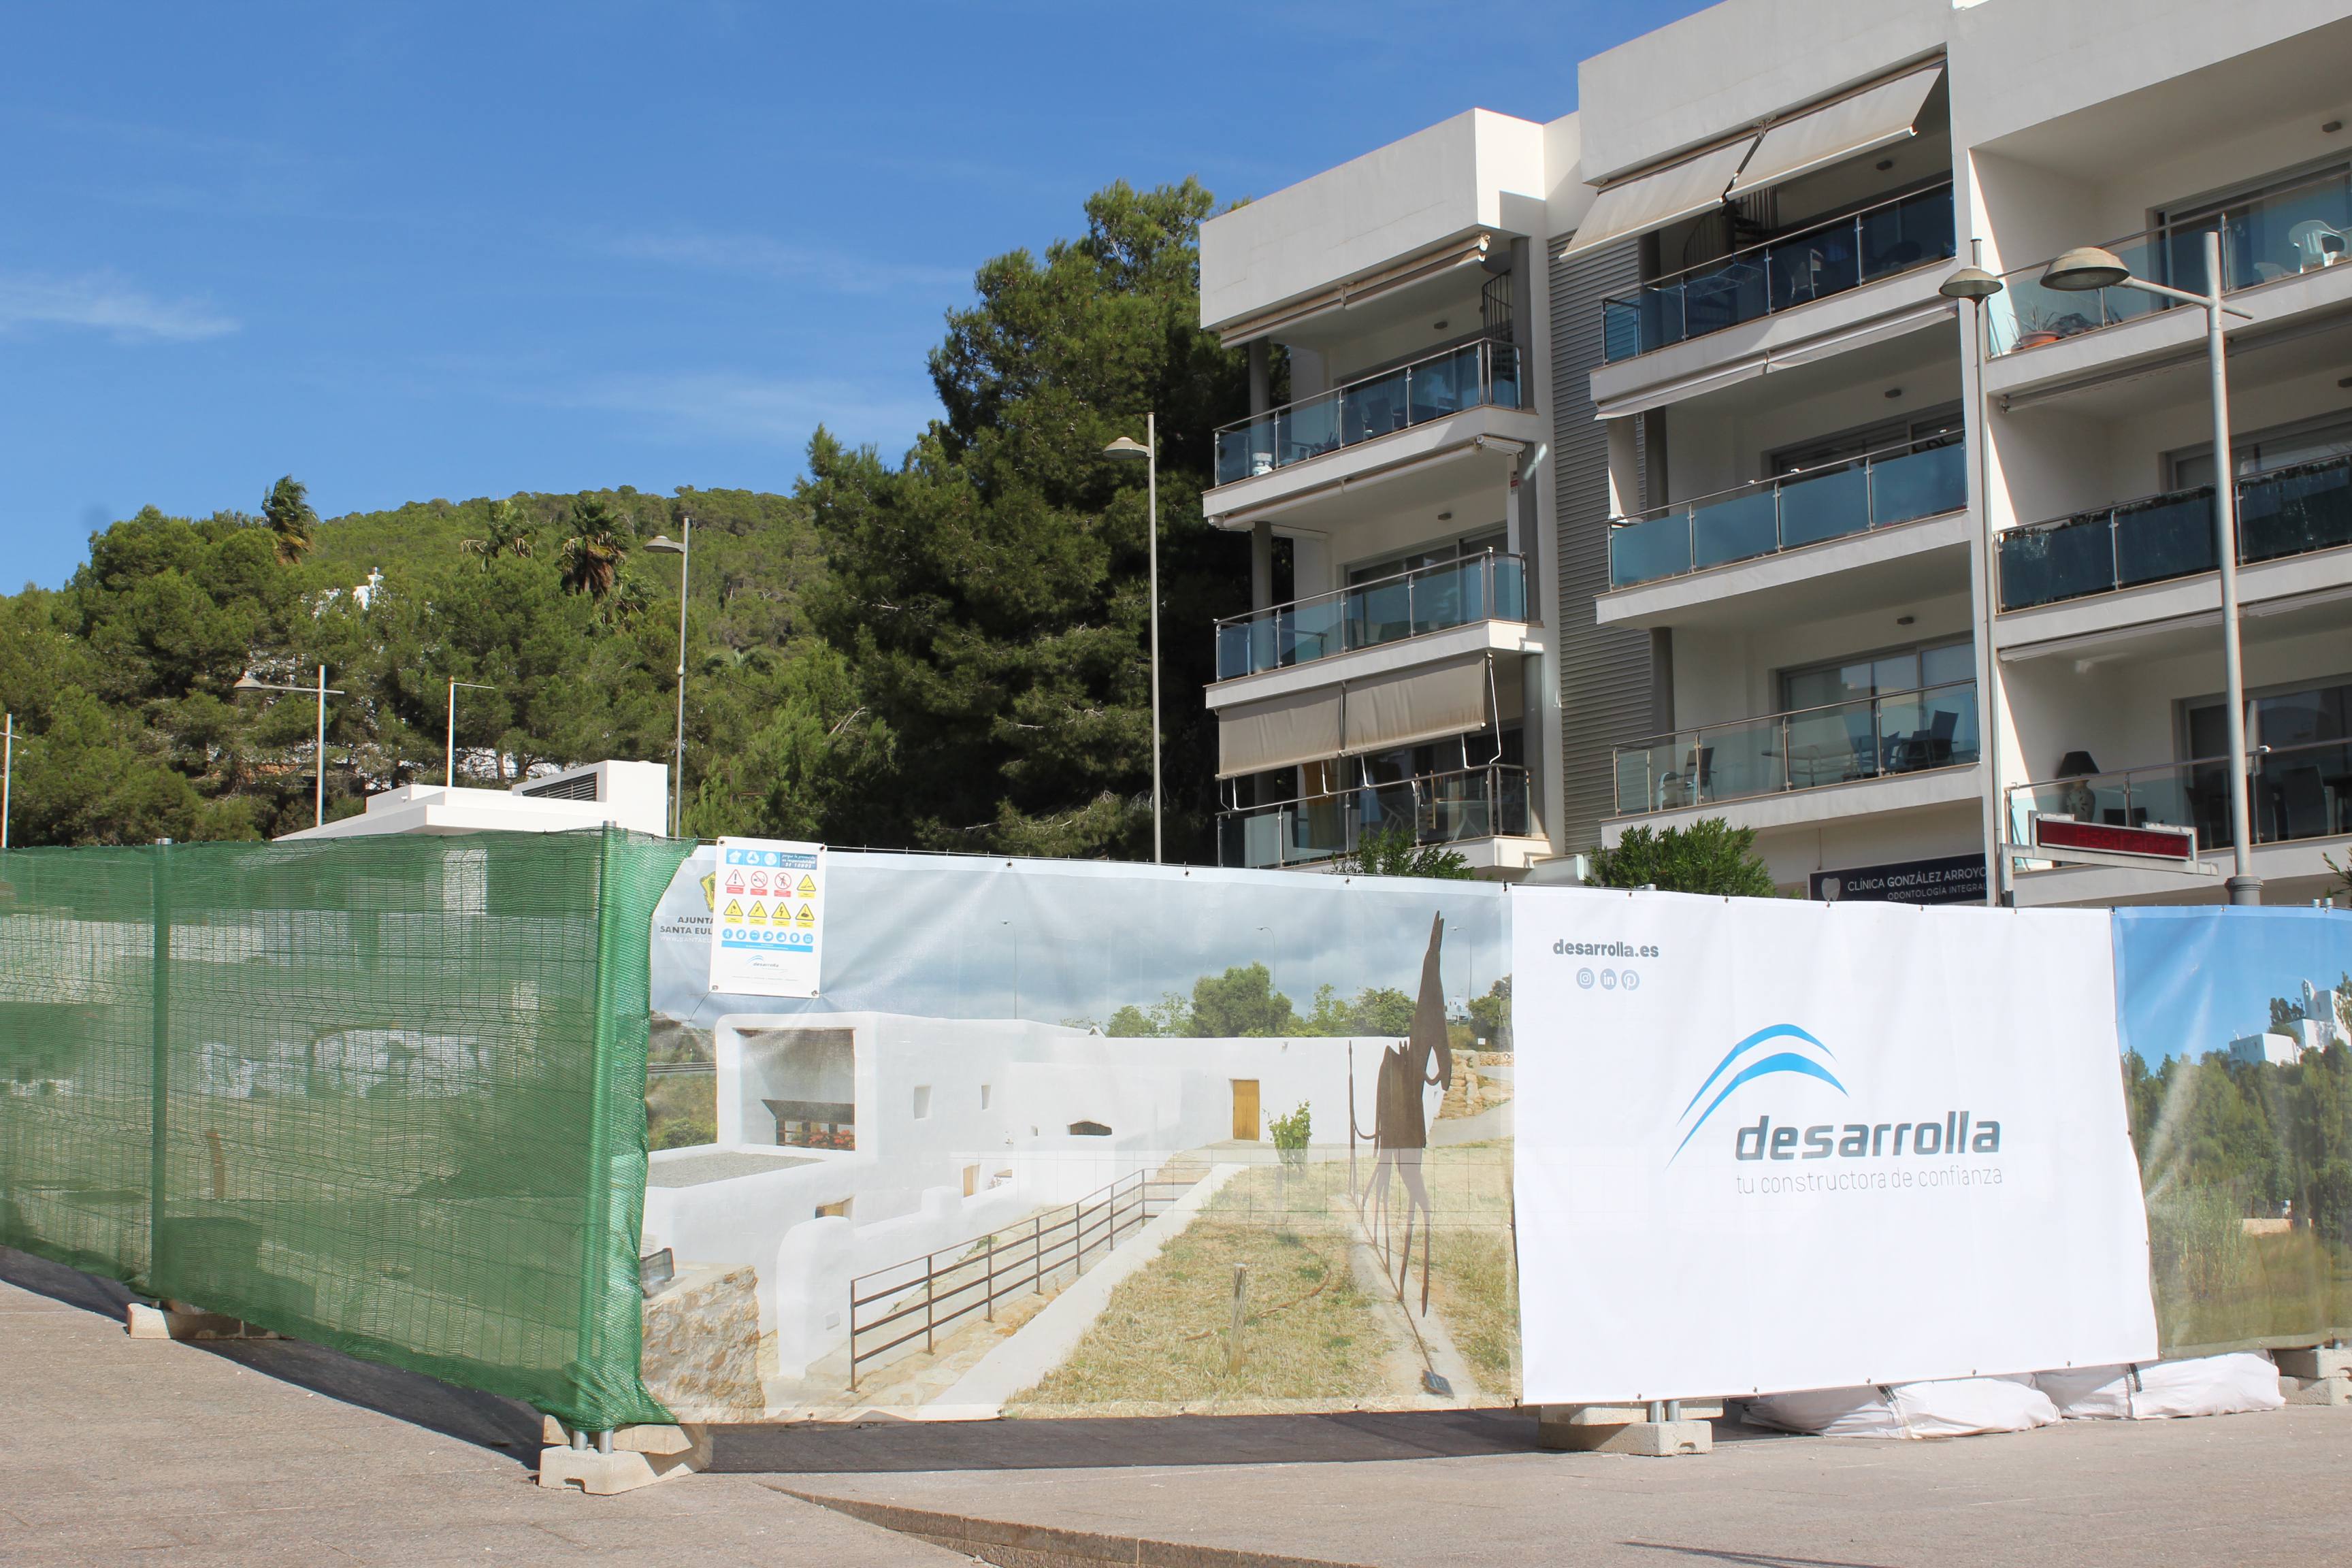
(1872, 118)
(1279, 732)
(1652, 201)
(1417, 705)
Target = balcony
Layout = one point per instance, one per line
(1412, 603)
(1878, 490)
(1880, 241)
(2266, 238)
(1812, 748)
(2297, 792)
(2288, 512)
(1484, 373)
(1438, 808)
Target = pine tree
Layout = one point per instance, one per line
(286, 512)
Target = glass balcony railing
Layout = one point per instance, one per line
(2287, 511)
(1474, 375)
(2296, 792)
(1878, 490)
(1411, 604)
(1437, 808)
(1867, 738)
(1796, 269)
(2278, 234)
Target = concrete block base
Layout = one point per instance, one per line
(2315, 1390)
(2316, 1363)
(1650, 1439)
(640, 1457)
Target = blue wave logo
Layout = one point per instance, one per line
(1780, 1060)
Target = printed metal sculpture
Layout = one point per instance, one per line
(1400, 1127)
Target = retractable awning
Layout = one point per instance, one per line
(1417, 705)
(1652, 201)
(1279, 732)
(1875, 117)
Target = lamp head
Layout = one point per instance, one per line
(246, 683)
(1970, 283)
(1127, 446)
(2083, 269)
(663, 544)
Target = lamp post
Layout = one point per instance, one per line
(449, 763)
(1126, 448)
(684, 551)
(2088, 267)
(322, 691)
(1976, 286)
(8, 772)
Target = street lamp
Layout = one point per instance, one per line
(1126, 449)
(7, 774)
(2088, 267)
(449, 765)
(661, 543)
(322, 691)
(1975, 285)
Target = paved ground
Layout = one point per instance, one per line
(114, 1450)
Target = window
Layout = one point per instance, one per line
(2274, 228)
(2306, 441)
(1494, 541)
(1938, 426)
(1878, 675)
(922, 1101)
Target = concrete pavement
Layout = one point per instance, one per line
(114, 1450)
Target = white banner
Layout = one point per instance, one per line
(767, 927)
(1769, 1145)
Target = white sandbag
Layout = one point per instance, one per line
(2206, 1386)
(2088, 1393)
(1952, 1407)
(2209, 1386)
(1865, 1412)
(1964, 1406)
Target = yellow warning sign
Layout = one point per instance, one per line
(808, 885)
(759, 913)
(734, 910)
(808, 916)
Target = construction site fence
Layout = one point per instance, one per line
(382, 1094)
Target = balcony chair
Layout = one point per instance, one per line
(1928, 748)
(1862, 732)
(2301, 801)
(2318, 244)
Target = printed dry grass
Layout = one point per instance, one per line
(1473, 1274)
(1309, 1335)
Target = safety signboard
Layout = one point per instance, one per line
(767, 927)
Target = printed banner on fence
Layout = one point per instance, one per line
(767, 931)
(2237, 1033)
(1766, 1145)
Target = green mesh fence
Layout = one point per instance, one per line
(382, 1094)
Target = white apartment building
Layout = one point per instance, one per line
(1758, 476)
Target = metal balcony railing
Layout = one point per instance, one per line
(2276, 235)
(2288, 512)
(1878, 490)
(1438, 808)
(1810, 748)
(1476, 375)
(1781, 274)
(1490, 587)
(2297, 792)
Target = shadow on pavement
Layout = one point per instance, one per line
(470, 1416)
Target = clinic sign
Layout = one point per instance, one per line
(767, 918)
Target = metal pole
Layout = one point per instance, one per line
(685, 570)
(1151, 440)
(450, 752)
(8, 771)
(318, 818)
(2245, 887)
(1990, 702)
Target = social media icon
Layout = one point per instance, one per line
(1584, 978)
(1609, 980)
(1632, 981)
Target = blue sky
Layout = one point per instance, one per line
(452, 250)
(2192, 980)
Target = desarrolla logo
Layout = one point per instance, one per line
(1784, 1050)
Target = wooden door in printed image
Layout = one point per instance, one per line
(1245, 1109)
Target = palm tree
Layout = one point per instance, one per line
(509, 535)
(591, 558)
(286, 511)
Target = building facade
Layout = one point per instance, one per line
(1632, 469)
